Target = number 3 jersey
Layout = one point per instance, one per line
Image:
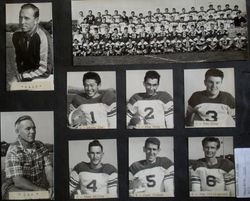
(99, 111)
(218, 177)
(100, 181)
(155, 178)
(157, 110)
(220, 109)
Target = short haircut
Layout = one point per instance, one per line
(95, 143)
(214, 72)
(152, 140)
(152, 75)
(33, 7)
(93, 76)
(23, 118)
(211, 139)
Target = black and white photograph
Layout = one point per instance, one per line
(211, 167)
(151, 167)
(27, 155)
(91, 100)
(210, 100)
(159, 31)
(29, 47)
(149, 96)
(93, 169)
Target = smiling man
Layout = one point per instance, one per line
(94, 108)
(152, 109)
(33, 46)
(154, 174)
(94, 178)
(211, 105)
(28, 166)
(212, 173)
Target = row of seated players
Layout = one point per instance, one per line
(156, 46)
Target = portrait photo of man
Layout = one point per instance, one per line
(27, 168)
(97, 178)
(91, 100)
(149, 99)
(213, 106)
(212, 175)
(151, 167)
(29, 46)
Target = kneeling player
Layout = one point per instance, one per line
(211, 106)
(94, 178)
(152, 175)
(212, 173)
(152, 109)
(94, 108)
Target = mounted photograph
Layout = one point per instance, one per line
(27, 155)
(29, 47)
(106, 32)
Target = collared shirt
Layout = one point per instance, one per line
(28, 163)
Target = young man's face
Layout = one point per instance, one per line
(213, 85)
(210, 149)
(91, 87)
(151, 151)
(27, 21)
(95, 155)
(151, 86)
(26, 131)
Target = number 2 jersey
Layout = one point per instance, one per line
(218, 177)
(156, 110)
(157, 177)
(220, 109)
(100, 181)
(99, 111)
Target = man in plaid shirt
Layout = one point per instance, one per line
(27, 165)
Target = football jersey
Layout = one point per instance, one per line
(157, 110)
(100, 181)
(155, 178)
(99, 110)
(219, 109)
(218, 177)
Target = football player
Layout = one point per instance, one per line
(152, 109)
(213, 173)
(94, 108)
(212, 104)
(154, 174)
(94, 178)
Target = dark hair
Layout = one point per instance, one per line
(95, 143)
(211, 139)
(152, 75)
(214, 72)
(152, 140)
(23, 118)
(33, 7)
(91, 75)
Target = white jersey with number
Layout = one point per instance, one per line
(155, 178)
(218, 177)
(100, 181)
(98, 111)
(219, 109)
(156, 110)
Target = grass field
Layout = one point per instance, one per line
(162, 58)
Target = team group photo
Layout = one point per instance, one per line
(160, 30)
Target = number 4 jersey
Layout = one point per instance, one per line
(155, 178)
(100, 181)
(220, 109)
(157, 110)
(100, 112)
